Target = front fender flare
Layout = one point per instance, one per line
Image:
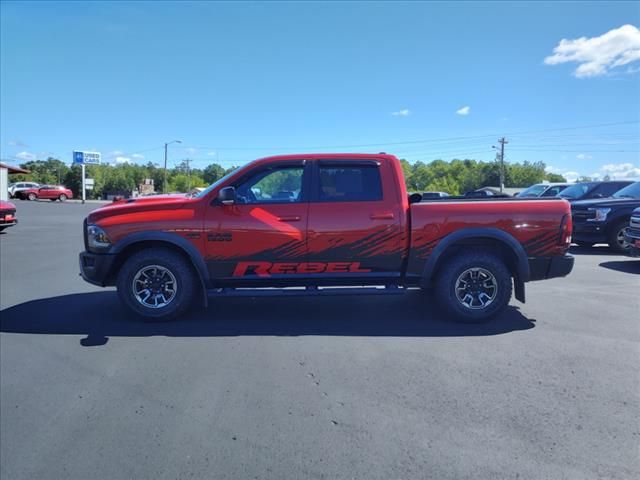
(174, 239)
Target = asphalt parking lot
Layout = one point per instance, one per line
(345, 387)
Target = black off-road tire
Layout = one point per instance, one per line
(187, 285)
(612, 237)
(448, 278)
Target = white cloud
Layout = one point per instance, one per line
(614, 171)
(402, 113)
(571, 176)
(26, 156)
(464, 110)
(120, 160)
(621, 170)
(598, 55)
(16, 143)
(137, 156)
(191, 151)
(550, 169)
(212, 153)
(583, 156)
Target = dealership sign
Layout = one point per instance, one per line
(86, 158)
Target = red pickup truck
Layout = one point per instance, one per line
(318, 221)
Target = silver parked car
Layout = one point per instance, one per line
(543, 190)
(14, 188)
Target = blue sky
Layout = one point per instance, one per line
(236, 81)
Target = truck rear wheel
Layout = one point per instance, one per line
(156, 284)
(473, 287)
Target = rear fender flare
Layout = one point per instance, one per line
(521, 274)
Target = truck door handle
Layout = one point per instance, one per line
(382, 216)
(293, 218)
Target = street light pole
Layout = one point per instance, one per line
(164, 181)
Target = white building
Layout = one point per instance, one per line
(5, 170)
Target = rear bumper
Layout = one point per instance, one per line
(589, 232)
(10, 223)
(550, 267)
(96, 268)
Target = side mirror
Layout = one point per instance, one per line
(227, 196)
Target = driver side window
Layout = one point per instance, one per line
(277, 185)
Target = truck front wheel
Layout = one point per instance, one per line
(473, 287)
(156, 284)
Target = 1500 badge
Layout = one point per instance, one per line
(266, 269)
(219, 237)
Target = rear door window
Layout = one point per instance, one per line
(349, 183)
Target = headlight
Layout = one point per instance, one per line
(600, 214)
(97, 238)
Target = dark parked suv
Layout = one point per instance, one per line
(632, 237)
(605, 220)
(587, 190)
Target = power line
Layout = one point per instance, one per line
(432, 140)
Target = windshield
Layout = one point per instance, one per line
(630, 191)
(576, 191)
(533, 191)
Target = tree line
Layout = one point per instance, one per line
(455, 177)
(119, 178)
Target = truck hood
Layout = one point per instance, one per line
(133, 205)
(605, 202)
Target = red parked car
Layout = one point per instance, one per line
(7, 215)
(46, 192)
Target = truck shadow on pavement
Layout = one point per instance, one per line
(625, 266)
(100, 316)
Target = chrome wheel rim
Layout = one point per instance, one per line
(476, 288)
(154, 286)
(620, 239)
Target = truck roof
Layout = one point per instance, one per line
(333, 156)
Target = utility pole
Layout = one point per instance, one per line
(502, 141)
(188, 161)
(164, 181)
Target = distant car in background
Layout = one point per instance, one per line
(432, 195)
(605, 220)
(7, 215)
(632, 235)
(588, 190)
(485, 194)
(543, 190)
(46, 192)
(14, 188)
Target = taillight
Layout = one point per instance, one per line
(566, 227)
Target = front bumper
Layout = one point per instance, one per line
(594, 232)
(632, 237)
(543, 268)
(96, 268)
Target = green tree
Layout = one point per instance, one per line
(212, 173)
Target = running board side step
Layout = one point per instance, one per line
(305, 291)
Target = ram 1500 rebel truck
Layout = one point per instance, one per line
(343, 221)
